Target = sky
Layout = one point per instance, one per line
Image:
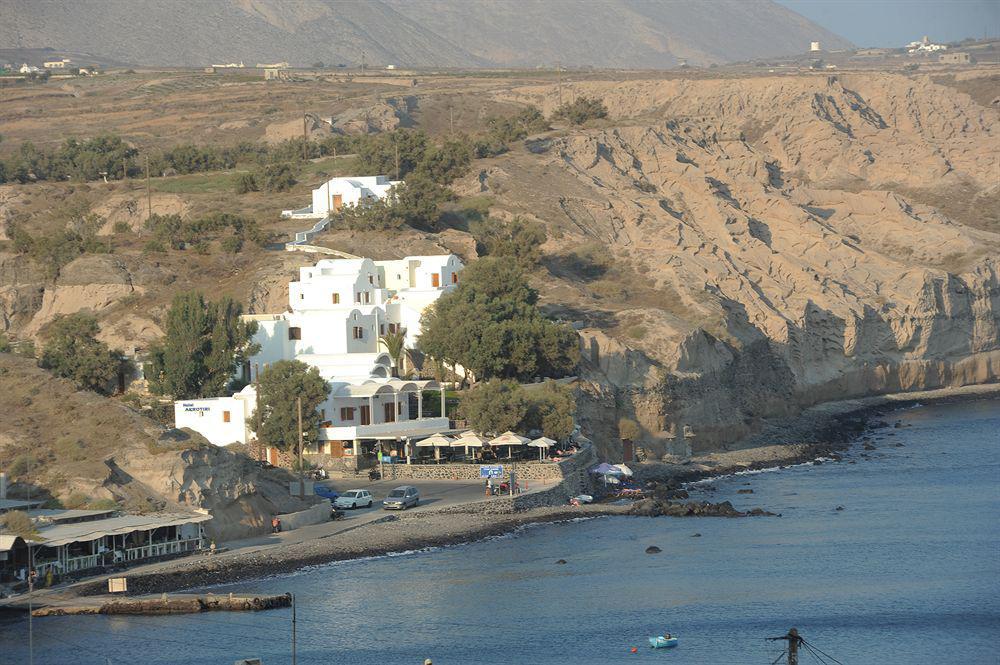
(898, 22)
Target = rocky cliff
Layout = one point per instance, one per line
(739, 249)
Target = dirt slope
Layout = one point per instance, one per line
(66, 442)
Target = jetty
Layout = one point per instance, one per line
(180, 603)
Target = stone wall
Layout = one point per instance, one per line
(315, 515)
(575, 480)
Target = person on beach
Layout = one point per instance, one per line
(275, 525)
(211, 549)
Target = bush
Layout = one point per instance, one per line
(581, 110)
(73, 352)
(277, 178)
(122, 227)
(246, 182)
(519, 239)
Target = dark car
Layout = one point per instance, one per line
(326, 492)
(401, 498)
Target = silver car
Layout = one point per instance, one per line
(401, 498)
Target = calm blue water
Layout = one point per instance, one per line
(907, 573)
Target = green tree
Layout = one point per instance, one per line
(582, 109)
(72, 351)
(491, 326)
(379, 153)
(519, 239)
(279, 386)
(204, 343)
(551, 410)
(446, 162)
(276, 178)
(494, 406)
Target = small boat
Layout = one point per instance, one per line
(662, 642)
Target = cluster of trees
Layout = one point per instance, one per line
(203, 344)
(503, 130)
(490, 325)
(54, 249)
(72, 351)
(581, 109)
(498, 405)
(171, 231)
(89, 159)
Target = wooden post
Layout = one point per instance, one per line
(257, 413)
(396, 146)
(793, 647)
(294, 660)
(302, 482)
(305, 138)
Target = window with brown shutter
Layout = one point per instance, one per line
(347, 413)
(435, 280)
(454, 278)
(335, 298)
(225, 416)
(295, 333)
(359, 332)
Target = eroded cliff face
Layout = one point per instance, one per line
(759, 257)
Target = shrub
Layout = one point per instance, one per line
(246, 182)
(277, 178)
(582, 109)
(122, 227)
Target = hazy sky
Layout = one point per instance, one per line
(898, 22)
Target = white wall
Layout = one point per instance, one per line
(207, 417)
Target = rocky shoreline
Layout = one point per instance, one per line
(823, 431)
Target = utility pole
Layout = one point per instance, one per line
(293, 629)
(305, 137)
(302, 481)
(396, 146)
(451, 119)
(257, 414)
(559, 76)
(363, 63)
(794, 641)
(149, 197)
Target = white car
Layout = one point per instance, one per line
(353, 499)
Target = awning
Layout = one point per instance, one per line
(7, 542)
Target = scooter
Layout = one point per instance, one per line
(374, 475)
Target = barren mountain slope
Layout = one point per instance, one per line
(70, 442)
(470, 33)
(749, 273)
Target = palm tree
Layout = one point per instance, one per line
(395, 346)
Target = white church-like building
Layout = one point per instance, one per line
(338, 310)
(338, 193)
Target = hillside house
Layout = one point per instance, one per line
(336, 193)
(57, 64)
(338, 310)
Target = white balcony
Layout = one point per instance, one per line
(401, 429)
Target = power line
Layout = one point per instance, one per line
(813, 646)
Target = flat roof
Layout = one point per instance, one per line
(15, 504)
(68, 514)
(63, 534)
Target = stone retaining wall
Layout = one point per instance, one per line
(575, 480)
(525, 471)
(315, 515)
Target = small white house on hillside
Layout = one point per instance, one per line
(336, 193)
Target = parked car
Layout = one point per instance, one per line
(353, 499)
(401, 498)
(326, 492)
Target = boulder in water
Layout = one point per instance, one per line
(561, 562)
(653, 549)
(744, 491)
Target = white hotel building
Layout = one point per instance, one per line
(338, 310)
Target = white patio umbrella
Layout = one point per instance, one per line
(624, 469)
(542, 443)
(469, 440)
(509, 439)
(437, 441)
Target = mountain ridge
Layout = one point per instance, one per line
(432, 33)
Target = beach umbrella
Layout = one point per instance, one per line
(542, 443)
(624, 469)
(469, 440)
(436, 441)
(509, 439)
(605, 469)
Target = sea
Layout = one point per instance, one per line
(890, 556)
